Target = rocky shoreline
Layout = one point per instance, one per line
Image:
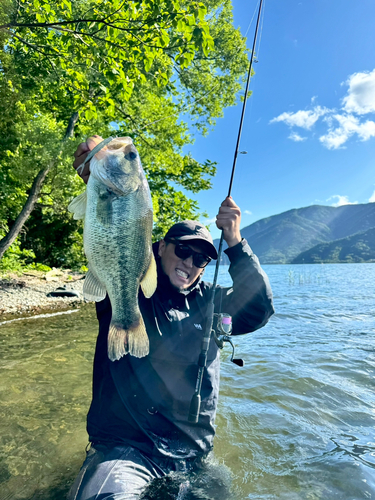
(26, 294)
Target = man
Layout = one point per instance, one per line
(138, 420)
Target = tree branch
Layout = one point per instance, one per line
(125, 115)
(7, 241)
(70, 128)
(34, 47)
(74, 21)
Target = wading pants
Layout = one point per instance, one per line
(125, 473)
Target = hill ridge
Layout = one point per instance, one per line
(281, 238)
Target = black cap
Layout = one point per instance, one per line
(191, 230)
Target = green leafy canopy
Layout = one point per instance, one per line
(138, 68)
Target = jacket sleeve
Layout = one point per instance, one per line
(249, 300)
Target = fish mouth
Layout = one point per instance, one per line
(182, 274)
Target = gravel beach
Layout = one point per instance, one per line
(26, 294)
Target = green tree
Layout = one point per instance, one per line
(141, 64)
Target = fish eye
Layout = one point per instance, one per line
(130, 152)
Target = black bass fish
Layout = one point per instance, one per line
(117, 209)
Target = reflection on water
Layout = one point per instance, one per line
(297, 422)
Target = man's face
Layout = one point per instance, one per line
(181, 273)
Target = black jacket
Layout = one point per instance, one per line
(145, 402)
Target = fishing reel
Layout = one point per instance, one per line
(221, 331)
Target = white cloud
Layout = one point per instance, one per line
(372, 198)
(302, 118)
(296, 137)
(247, 212)
(348, 126)
(341, 200)
(361, 93)
(341, 125)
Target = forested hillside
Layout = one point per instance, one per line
(357, 248)
(282, 238)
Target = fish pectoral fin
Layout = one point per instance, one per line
(78, 206)
(93, 289)
(149, 281)
(134, 341)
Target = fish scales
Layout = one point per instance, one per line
(117, 243)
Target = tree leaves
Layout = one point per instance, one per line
(145, 67)
(128, 39)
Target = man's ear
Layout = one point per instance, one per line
(161, 248)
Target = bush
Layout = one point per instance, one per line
(16, 259)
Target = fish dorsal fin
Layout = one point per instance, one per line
(78, 206)
(92, 288)
(149, 281)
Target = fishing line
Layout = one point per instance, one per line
(261, 27)
(202, 361)
(186, 108)
(256, 60)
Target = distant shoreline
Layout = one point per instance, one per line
(24, 295)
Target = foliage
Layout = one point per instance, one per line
(359, 247)
(56, 241)
(146, 66)
(99, 51)
(16, 259)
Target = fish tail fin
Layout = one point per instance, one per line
(133, 340)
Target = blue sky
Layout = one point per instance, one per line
(310, 124)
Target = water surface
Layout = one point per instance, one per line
(296, 422)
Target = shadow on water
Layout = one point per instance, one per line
(56, 490)
(54, 486)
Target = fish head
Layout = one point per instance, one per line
(118, 166)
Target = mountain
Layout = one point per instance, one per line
(357, 248)
(281, 238)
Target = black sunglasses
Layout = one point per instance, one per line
(184, 252)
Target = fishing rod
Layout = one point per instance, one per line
(196, 399)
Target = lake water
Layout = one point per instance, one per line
(296, 422)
